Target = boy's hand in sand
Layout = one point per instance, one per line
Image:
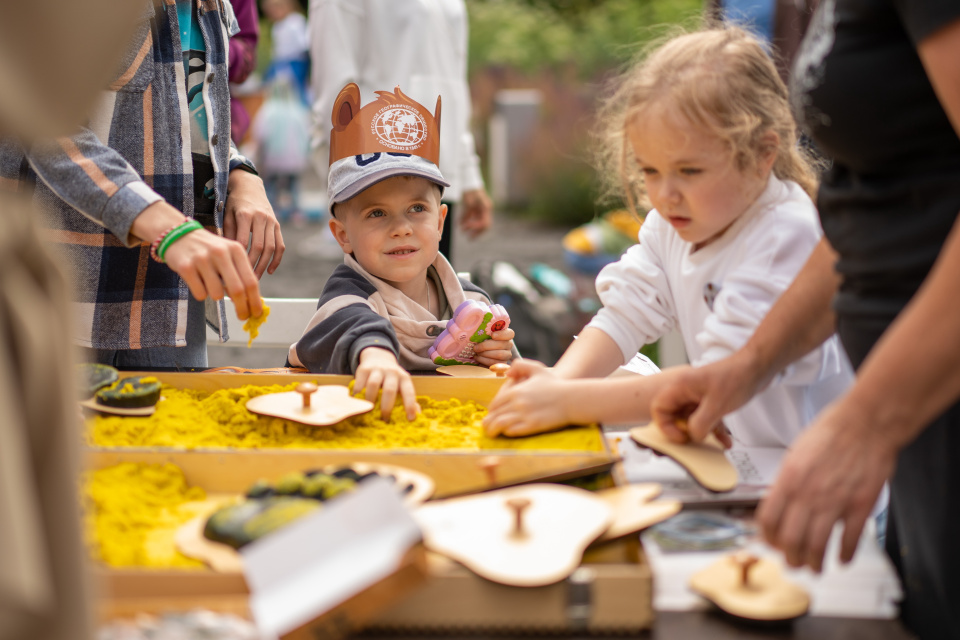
(379, 370)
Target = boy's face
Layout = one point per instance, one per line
(393, 230)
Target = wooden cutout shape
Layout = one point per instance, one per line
(328, 404)
(765, 595)
(466, 371)
(221, 557)
(634, 509)
(119, 411)
(191, 542)
(496, 370)
(528, 536)
(704, 461)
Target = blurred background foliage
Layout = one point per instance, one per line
(568, 50)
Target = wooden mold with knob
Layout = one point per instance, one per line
(310, 404)
(747, 586)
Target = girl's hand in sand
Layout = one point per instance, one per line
(379, 370)
(532, 401)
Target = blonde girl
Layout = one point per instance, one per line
(700, 131)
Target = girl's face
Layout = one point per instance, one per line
(691, 177)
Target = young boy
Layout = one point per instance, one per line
(382, 309)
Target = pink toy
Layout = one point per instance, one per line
(472, 322)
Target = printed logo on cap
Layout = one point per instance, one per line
(398, 127)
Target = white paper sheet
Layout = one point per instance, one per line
(321, 560)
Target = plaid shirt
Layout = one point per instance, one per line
(134, 151)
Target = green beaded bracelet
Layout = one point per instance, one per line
(175, 234)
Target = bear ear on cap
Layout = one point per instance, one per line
(346, 107)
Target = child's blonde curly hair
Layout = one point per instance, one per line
(722, 81)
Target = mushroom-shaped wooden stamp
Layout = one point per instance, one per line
(310, 404)
(747, 586)
(531, 535)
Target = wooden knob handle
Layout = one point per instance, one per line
(489, 465)
(745, 561)
(518, 505)
(306, 389)
(500, 369)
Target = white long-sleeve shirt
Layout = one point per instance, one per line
(718, 295)
(418, 45)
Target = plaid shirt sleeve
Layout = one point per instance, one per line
(95, 180)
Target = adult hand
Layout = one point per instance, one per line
(833, 472)
(250, 220)
(499, 348)
(692, 403)
(210, 265)
(213, 267)
(379, 370)
(534, 400)
(476, 214)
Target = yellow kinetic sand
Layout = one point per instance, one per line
(252, 325)
(191, 419)
(132, 512)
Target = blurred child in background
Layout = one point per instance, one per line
(281, 133)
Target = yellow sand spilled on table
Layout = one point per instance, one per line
(193, 419)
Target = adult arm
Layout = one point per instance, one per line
(837, 467)
(96, 181)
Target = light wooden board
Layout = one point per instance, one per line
(705, 460)
(328, 405)
(635, 509)
(766, 595)
(481, 532)
(191, 542)
(92, 403)
(466, 371)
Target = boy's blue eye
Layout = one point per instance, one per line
(376, 213)
(418, 208)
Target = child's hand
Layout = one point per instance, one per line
(499, 348)
(533, 401)
(378, 370)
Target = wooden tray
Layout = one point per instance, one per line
(455, 472)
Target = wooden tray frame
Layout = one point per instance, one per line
(455, 472)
